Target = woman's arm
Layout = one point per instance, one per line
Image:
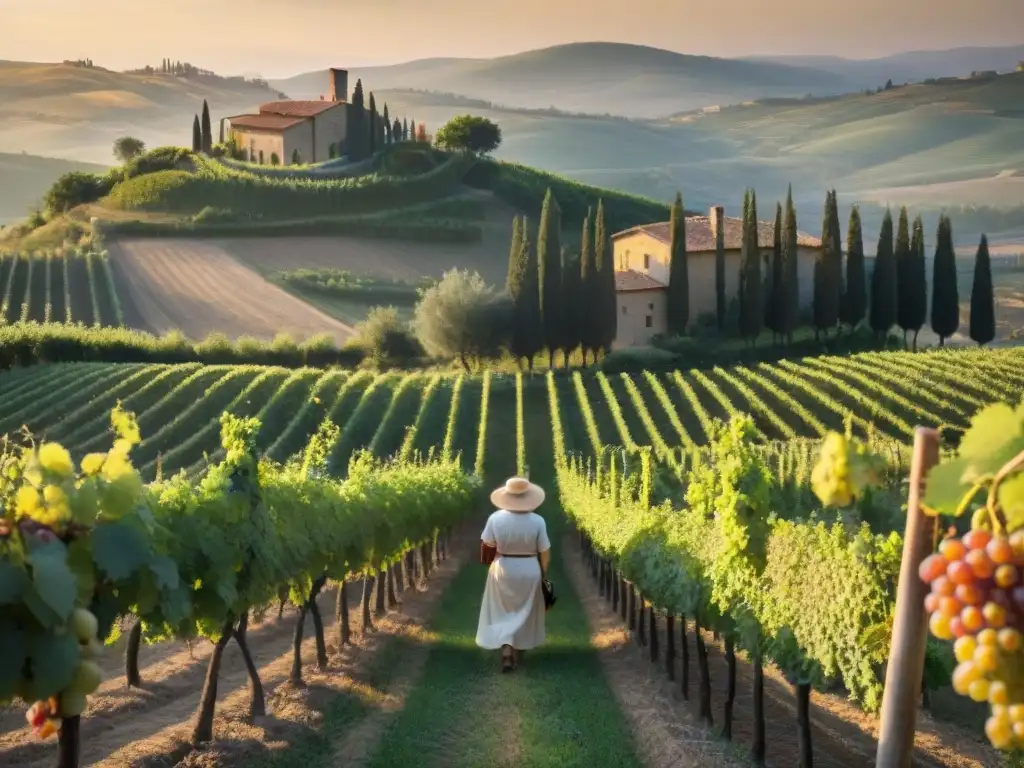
(545, 558)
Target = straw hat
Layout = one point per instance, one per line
(518, 495)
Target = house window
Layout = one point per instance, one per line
(649, 321)
(261, 157)
(647, 261)
(651, 306)
(623, 309)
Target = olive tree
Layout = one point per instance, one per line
(469, 133)
(463, 317)
(128, 148)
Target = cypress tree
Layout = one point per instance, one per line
(356, 142)
(605, 301)
(791, 270)
(918, 313)
(549, 260)
(836, 271)
(855, 295)
(206, 131)
(904, 275)
(751, 311)
(774, 316)
(396, 131)
(721, 303)
(826, 272)
(405, 129)
(945, 296)
(587, 321)
(373, 125)
(983, 309)
(522, 287)
(514, 278)
(387, 124)
(678, 277)
(884, 281)
(197, 135)
(573, 303)
(221, 140)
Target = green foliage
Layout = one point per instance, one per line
(884, 281)
(525, 188)
(983, 313)
(945, 297)
(385, 337)
(216, 184)
(549, 265)
(775, 299)
(789, 320)
(827, 270)
(342, 283)
(523, 288)
(678, 276)
(751, 291)
(127, 148)
(802, 593)
(604, 300)
(463, 317)
(855, 297)
(72, 189)
(33, 343)
(65, 285)
(469, 133)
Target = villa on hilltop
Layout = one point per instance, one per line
(641, 258)
(316, 130)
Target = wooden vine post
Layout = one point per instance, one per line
(910, 626)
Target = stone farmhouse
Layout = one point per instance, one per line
(641, 257)
(316, 129)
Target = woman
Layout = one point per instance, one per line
(515, 543)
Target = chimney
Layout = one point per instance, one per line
(717, 218)
(339, 84)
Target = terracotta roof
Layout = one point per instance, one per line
(699, 236)
(298, 108)
(631, 280)
(265, 122)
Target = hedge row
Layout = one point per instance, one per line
(27, 344)
(218, 187)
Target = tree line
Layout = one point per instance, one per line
(561, 300)
(842, 296)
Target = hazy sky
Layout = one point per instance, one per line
(282, 37)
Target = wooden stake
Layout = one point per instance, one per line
(910, 625)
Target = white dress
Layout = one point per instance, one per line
(512, 612)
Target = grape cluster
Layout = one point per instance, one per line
(845, 467)
(977, 600)
(45, 716)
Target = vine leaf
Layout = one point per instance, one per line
(1011, 501)
(995, 437)
(53, 581)
(53, 658)
(945, 486)
(13, 581)
(119, 550)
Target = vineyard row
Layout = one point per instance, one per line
(178, 406)
(61, 287)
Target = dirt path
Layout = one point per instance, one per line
(197, 287)
(842, 734)
(150, 726)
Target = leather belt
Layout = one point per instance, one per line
(501, 554)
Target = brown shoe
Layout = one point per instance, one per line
(507, 658)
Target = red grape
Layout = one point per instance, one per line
(977, 539)
(960, 572)
(932, 567)
(980, 563)
(1000, 551)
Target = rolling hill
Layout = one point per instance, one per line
(909, 66)
(77, 112)
(596, 78)
(26, 179)
(956, 146)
